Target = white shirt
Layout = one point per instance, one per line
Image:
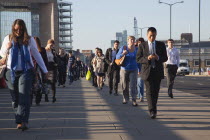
(173, 56)
(32, 47)
(150, 47)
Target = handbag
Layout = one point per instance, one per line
(3, 66)
(88, 75)
(120, 61)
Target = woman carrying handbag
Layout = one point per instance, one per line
(128, 72)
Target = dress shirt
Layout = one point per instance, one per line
(173, 56)
(33, 51)
(152, 49)
(114, 53)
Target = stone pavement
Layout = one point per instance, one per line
(81, 112)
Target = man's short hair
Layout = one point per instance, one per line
(116, 41)
(170, 40)
(152, 29)
(70, 51)
(97, 48)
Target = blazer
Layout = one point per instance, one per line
(108, 59)
(142, 57)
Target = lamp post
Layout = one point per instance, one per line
(142, 29)
(170, 4)
(199, 37)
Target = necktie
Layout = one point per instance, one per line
(153, 52)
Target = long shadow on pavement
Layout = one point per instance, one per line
(64, 119)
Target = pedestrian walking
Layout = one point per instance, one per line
(152, 54)
(62, 67)
(19, 74)
(140, 82)
(78, 68)
(71, 67)
(93, 74)
(113, 71)
(171, 65)
(39, 82)
(128, 72)
(99, 63)
(52, 68)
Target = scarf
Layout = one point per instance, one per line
(25, 58)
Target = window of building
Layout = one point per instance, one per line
(196, 63)
(207, 62)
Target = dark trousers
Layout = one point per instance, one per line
(20, 91)
(94, 79)
(171, 71)
(152, 91)
(62, 76)
(114, 77)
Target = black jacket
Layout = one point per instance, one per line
(142, 57)
(108, 59)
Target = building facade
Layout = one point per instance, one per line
(65, 24)
(121, 37)
(47, 19)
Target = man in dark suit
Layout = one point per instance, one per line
(113, 70)
(151, 54)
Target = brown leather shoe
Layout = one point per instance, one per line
(19, 126)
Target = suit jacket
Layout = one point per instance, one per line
(108, 59)
(142, 57)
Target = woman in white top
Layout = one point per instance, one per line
(20, 48)
(99, 68)
(52, 67)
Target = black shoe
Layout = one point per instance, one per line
(24, 126)
(54, 99)
(171, 95)
(153, 115)
(46, 98)
(110, 92)
(134, 104)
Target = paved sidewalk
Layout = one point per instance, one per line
(82, 112)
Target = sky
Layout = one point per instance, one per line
(95, 22)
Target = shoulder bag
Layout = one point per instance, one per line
(120, 61)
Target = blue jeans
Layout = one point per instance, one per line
(140, 88)
(20, 91)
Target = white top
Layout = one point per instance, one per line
(173, 56)
(50, 56)
(32, 47)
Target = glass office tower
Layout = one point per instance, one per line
(8, 16)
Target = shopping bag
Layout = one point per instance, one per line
(88, 75)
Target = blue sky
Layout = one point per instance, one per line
(95, 22)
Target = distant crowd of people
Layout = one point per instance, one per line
(32, 70)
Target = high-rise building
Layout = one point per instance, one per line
(187, 37)
(47, 19)
(121, 37)
(65, 24)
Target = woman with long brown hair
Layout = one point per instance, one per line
(20, 67)
(52, 67)
(39, 85)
